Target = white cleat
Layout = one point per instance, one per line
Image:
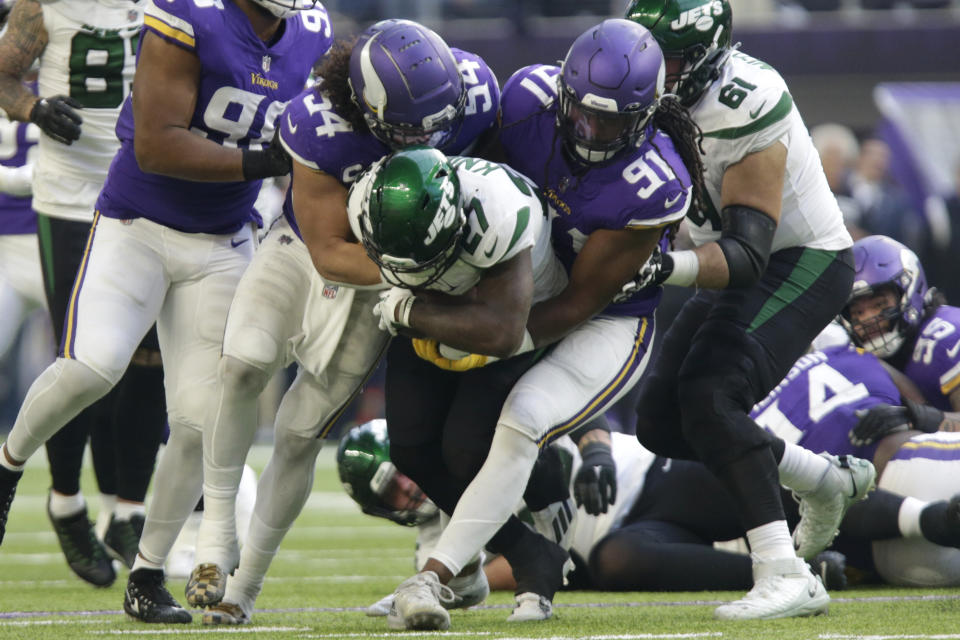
(531, 607)
(847, 480)
(381, 607)
(782, 588)
(418, 604)
(469, 590)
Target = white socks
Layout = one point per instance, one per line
(62, 506)
(801, 469)
(908, 519)
(771, 541)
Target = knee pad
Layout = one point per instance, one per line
(242, 378)
(253, 345)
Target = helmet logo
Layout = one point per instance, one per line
(374, 93)
(700, 18)
(446, 213)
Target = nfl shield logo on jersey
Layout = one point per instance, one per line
(265, 63)
(330, 291)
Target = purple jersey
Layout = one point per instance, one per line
(644, 187)
(16, 141)
(815, 405)
(244, 85)
(317, 137)
(934, 365)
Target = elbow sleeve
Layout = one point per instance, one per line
(746, 240)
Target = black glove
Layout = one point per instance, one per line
(654, 271)
(595, 487)
(884, 419)
(56, 117)
(266, 163)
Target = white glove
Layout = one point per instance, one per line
(394, 309)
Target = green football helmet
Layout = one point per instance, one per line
(411, 219)
(698, 31)
(367, 474)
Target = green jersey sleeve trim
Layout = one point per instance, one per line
(779, 112)
(523, 217)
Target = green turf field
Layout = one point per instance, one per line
(336, 561)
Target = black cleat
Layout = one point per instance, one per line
(147, 600)
(8, 487)
(122, 538)
(85, 554)
(831, 566)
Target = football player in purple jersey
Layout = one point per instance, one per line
(83, 53)
(171, 236)
(591, 135)
(399, 83)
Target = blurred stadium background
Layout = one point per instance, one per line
(883, 75)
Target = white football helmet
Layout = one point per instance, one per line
(286, 8)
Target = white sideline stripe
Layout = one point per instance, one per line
(335, 579)
(32, 558)
(841, 636)
(36, 583)
(216, 629)
(30, 536)
(11, 615)
(474, 634)
(29, 623)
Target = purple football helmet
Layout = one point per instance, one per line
(884, 264)
(610, 86)
(405, 80)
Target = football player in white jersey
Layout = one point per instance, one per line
(773, 266)
(475, 232)
(85, 52)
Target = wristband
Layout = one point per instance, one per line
(686, 266)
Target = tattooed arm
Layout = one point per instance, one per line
(23, 41)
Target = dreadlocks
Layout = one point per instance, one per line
(674, 120)
(335, 74)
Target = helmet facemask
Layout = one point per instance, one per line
(594, 130)
(411, 218)
(373, 481)
(885, 332)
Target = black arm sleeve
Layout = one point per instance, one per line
(745, 240)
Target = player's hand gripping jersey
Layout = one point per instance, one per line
(237, 106)
(748, 109)
(645, 187)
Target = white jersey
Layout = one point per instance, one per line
(504, 217)
(90, 56)
(633, 461)
(744, 111)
